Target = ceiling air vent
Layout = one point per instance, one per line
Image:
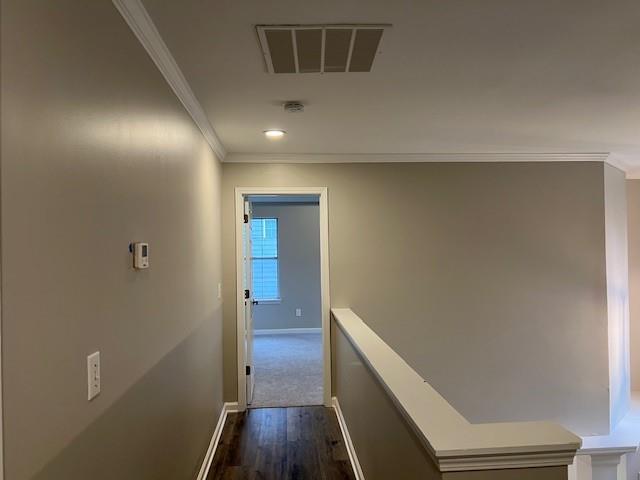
(320, 48)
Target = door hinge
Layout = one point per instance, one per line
(246, 218)
(248, 369)
(247, 294)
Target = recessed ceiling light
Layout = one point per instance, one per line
(274, 133)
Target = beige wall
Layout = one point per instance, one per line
(379, 432)
(376, 426)
(377, 429)
(299, 267)
(544, 473)
(98, 152)
(633, 210)
(488, 278)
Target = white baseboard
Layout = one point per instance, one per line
(357, 470)
(285, 331)
(227, 408)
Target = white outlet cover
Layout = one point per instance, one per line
(93, 375)
(298, 312)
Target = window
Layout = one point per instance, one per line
(264, 259)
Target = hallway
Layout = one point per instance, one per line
(319, 240)
(281, 443)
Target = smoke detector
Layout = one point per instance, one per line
(293, 107)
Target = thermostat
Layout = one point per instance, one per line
(140, 255)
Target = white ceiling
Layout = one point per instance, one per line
(455, 76)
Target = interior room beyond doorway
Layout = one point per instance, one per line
(287, 313)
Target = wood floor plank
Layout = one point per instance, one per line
(223, 450)
(296, 443)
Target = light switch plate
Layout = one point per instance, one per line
(219, 291)
(93, 375)
(298, 312)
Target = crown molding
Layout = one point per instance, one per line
(144, 29)
(412, 157)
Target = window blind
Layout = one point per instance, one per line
(264, 258)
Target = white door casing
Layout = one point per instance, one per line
(248, 301)
(243, 309)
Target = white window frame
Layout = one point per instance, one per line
(278, 299)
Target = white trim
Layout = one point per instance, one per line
(142, 26)
(285, 331)
(609, 461)
(623, 440)
(609, 465)
(294, 44)
(453, 442)
(324, 294)
(594, 452)
(351, 449)
(352, 41)
(323, 44)
(240, 347)
(227, 408)
(240, 193)
(264, 46)
(505, 462)
(272, 301)
(332, 26)
(412, 157)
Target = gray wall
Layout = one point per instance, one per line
(299, 264)
(633, 210)
(98, 152)
(488, 278)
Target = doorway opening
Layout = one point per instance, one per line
(283, 303)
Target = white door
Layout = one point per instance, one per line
(248, 301)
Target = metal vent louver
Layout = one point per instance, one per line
(319, 48)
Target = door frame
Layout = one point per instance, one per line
(240, 193)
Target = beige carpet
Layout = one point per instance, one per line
(288, 370)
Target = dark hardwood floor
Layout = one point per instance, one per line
(301, 443)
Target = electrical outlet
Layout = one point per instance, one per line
(298, 312)
(93, 375)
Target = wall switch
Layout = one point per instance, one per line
(93, 375)
(298, 312)
(219, 291)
